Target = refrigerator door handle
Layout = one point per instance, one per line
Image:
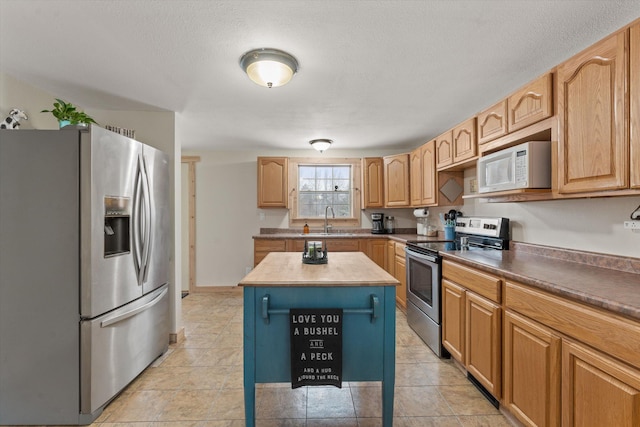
(136, 226)
(120, 317)
(146, 242)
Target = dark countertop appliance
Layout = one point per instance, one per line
(377, 223)
(424, 273)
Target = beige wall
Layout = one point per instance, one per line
(157, 129)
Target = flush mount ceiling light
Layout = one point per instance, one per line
(320, 144)
(269, 67)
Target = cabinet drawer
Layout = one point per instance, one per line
(342, 245)
(492, 122)
(481, 283)
(619, 336)
(270, 245)
(531, 104)
(400, 250)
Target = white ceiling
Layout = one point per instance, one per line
(373, 73)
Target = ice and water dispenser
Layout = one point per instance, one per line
(117, 222)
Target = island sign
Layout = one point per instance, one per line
(316, 347)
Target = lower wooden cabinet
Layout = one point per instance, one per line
(453, 307)
(483, 342)
(262, 247)
(597, 390)
(376, 249)
(531, 371)
(472, 322)
(390, 260)
(400, 273)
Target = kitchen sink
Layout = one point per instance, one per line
(326, 234)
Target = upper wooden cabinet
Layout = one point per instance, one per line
(372, 182)
(492, 122)
(396, 181)
(634, 89)
(415, 167)
(272, 182)
(444, 149)
(424, 177)
(465, 143)
(593, 152)
(429, 185)
(532, 103)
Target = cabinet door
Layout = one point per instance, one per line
(342, 245)
(453, 311)
(532, 103)
(376, 250)
(531, 372)
(262, 247)
(429, 174)
(390, 260)
(598, 390)
(372, 182)
(465, 143)
(635, 106)
(396, 179)
(272, 182)
(483, 342)
(415, 167)
(492, 122)
(400, 273)
(593, 151)
(444, 149)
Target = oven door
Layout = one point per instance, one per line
(423, 283)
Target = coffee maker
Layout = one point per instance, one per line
(377, 219)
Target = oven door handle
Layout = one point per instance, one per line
(421, 256)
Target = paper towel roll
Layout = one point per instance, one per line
(421, 213)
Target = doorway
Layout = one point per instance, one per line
(188, 223)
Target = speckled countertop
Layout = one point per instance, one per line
(591, 280)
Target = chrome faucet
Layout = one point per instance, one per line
(326, 218)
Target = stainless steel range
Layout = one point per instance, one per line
(424, 273)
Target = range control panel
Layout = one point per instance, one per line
(483, 226)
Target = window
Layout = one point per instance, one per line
(321, 186)
(318, 183)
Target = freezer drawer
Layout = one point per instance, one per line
(119, 345)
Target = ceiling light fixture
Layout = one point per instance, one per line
(320, 144)
(269, 67)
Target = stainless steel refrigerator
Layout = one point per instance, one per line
(85, 243)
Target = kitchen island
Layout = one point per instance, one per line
(349, 281)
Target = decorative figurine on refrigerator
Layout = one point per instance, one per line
(13, 120)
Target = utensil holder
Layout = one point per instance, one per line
(449, 232)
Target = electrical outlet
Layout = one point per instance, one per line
(632, 225)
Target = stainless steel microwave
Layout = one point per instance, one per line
(527, 165)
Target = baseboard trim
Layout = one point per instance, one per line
(177, 337)
(208, 289)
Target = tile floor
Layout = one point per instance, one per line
(198, 383)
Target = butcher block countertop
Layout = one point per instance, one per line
(342, 269)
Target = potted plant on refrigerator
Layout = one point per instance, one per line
(68, 114)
